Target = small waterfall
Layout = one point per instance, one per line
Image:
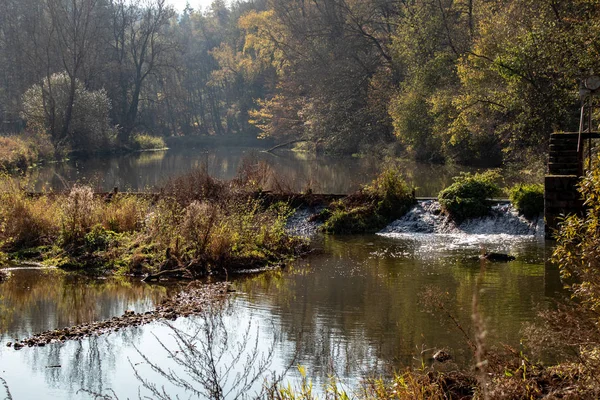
(300, 224)
(427, 218)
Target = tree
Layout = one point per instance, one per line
(140, 48)
(89, 127)
(75, 28)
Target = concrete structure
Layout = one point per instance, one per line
(565, 167)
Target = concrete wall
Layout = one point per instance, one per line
(561, 198)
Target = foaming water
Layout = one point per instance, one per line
(503, 227)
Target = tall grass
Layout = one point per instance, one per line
(16, 153)
(198, 223)
(144, 141)
(22, 151)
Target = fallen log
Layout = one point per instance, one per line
(284, 144)
(179, 273)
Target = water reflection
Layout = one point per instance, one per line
(349, 309)
(35, 300)
(357, 303)
(140, 171)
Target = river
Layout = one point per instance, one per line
(351, 308)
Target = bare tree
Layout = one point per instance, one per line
(218, 366)
(140, 47)
(75, 30)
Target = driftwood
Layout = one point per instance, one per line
(180, 273)
(285, 144)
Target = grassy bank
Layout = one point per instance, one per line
(196, 226)
(17, 153)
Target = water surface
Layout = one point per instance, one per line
(349, 309)
(297, 171)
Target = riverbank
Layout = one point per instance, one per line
(23, 151)
(196, 226)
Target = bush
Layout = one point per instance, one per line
(143, 141)
(78, 214)
(124, 213)
(15, 153)
(468, 196)
(528, 199)
(354, 220)
(387, 198)
(393, 196)
(577, 252)
(89, 128)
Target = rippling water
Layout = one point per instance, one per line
(350, 309)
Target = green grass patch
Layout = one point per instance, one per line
(384, 200)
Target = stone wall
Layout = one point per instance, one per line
(561, 198)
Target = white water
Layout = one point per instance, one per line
(503, 224)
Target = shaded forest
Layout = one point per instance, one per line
(440, 80)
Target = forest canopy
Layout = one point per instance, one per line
(442, 80)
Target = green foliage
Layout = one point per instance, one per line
(393, 196)
(143, 141)
(362, 219)
(387, 198)
(528, 199)
(577, 252)
(468, 196)
(45, 108)
(98, 239)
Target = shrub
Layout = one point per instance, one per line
(15, 153)
(89, 128)
(354, 220)
(194, 185)
(387, 198)
(468, 196)
(257, 175)
(78, 211)
(124, 213)
(232, 234)
(577, 252)
(392, 194)
(143, 141)
(528, 199)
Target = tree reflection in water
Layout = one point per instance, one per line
(210, 356)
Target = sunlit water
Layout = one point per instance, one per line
(296, 171)
(350, 309)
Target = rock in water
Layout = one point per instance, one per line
(441, 356)
(499, 257)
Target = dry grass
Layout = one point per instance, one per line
(258, 176)
(15, 153)
(200, 224)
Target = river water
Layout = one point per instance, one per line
(298, 171)
(353, 307)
